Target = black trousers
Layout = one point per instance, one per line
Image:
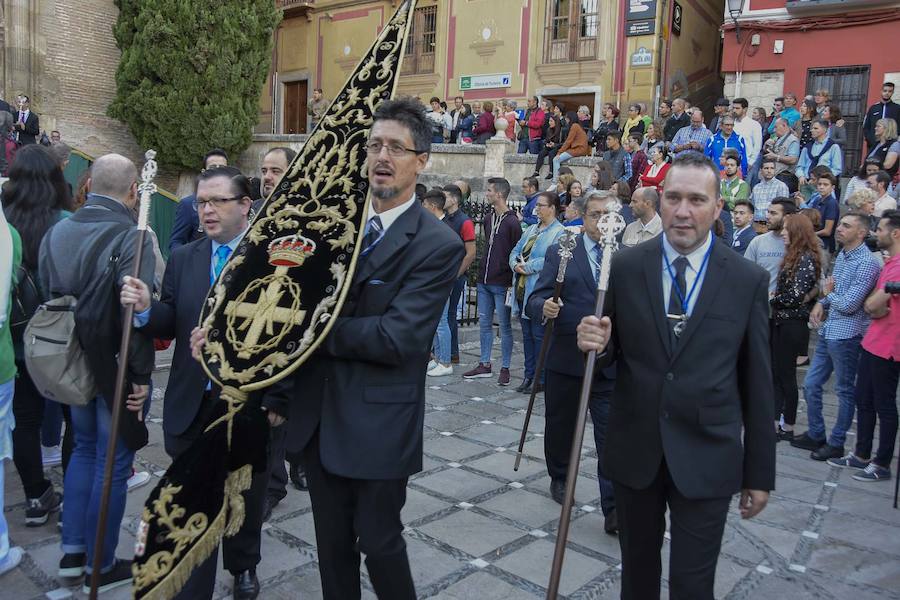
(561, 394)
(28, 410)
(353, 516)
(241, 551)
(545, 154)
(696, 530)
(876, 394)
(786, 342)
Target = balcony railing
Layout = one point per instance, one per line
(292, 8)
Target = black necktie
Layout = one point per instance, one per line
(675, 307)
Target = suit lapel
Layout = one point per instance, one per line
(715, 275)
(584, 265)
(199, 270)
(395, 239)
(653, 275)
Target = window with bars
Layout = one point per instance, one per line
(571, 32)
(848, 88)
(420, 43)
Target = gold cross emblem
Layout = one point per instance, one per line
(264, 313)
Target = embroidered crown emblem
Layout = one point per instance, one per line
(290, 250)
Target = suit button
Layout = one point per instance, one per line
(670, 376)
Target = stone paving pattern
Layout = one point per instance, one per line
(476, 530)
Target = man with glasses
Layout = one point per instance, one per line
(359, 405)
(222, 201)
(187, 224)
(727, 138)
(565, 362)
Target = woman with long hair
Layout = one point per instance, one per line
(576, 143)
(609, 122)
(35, 198)
(549, 147)
(836, 130)
(802, 128)
(464, 124)
(634, 123)
(526, 260)
(655, 136)
(791, 305)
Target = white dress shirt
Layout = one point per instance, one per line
(390, 215)
(750, 129)
(695, 261)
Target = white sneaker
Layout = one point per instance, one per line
(137, 479)
(51, 455)
(440, 370)
(12, 560)
(431, 364)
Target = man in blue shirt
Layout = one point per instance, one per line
(727, 138)
(855, 273)
(530, 191)
(784, 108)
(822, 152)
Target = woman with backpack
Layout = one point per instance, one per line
(34, 199)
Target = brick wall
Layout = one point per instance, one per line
(77, 79)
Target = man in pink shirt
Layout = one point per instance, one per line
(879, 365)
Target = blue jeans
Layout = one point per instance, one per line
(437, 139)
(452, 308)
(532, 337)
(491, 298)
(558, 160)
(522, 148)
(441, 343)
(7, 390)
(84, 484)
(841, 357)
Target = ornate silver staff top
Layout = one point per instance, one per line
(147, 188)
(610, 225)
(567, 242)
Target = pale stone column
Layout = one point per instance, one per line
(20, 68)
(494, 150)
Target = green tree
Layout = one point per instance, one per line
(191, 73)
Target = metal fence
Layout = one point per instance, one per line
(477, 208)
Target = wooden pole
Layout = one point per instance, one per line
(147, 188)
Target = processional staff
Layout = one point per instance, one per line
(610, 225)
(146, 189)
(567, 242)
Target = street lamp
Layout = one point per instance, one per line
(735, 7)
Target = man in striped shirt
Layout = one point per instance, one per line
(693, 138)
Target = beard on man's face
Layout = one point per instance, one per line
(384, 192)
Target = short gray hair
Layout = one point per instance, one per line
(650, 196)
(113, 175)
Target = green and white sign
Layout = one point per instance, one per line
(484, 82)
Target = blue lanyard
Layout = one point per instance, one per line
(677, 288)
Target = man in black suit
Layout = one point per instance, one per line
(565, 362)
(360, 405)
(27, 125)
(223, 205)
(187, 224)
(742, 213)
(686, 321)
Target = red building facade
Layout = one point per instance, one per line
(845, 46)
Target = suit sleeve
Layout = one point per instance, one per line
(141, 352)
(181, 230)
(756, 391)
(545, 285)
(162, 311)
(33, 126)
(406, 329)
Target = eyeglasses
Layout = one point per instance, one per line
(396, 150)
(215, 202)
(594, 215)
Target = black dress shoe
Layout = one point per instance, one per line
(246, 585)
(807, 443)
(611, 523)
(827, 451)
(298, 477)
(549, 176)
(783, 434)
(525, 386)
(269, 503)
(558, 490)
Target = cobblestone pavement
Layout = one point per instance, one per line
(476, 530)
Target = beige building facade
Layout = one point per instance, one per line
(578, 52)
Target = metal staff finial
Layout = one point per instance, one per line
(147, 188)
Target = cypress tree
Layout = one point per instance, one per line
(191, 73)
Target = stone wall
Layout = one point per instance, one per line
(759, 88)
(447, 163)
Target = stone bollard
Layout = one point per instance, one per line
(494, 150)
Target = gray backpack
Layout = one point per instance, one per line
(55, 359)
